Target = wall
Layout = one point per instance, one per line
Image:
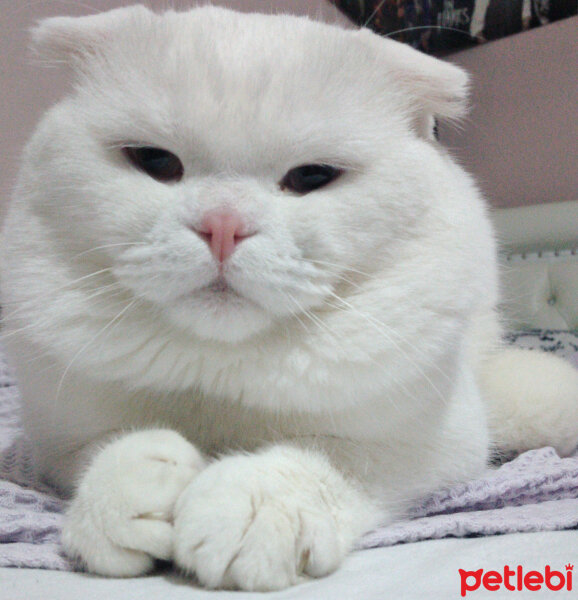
(521, 139)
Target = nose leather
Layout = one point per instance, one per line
(223, 230)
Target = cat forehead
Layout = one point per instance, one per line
(222, 49)
(207, 33)
(231, 53)
(220, 28)
(209, 58)
(207, 46)
(236, 32)
(262, 79)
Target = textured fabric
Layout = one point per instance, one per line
(538, 491)
(30, 519)
(561, 343)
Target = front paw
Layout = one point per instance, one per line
(265, 522)
(121, 518)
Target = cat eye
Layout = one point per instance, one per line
(159, 164)
(306, 178)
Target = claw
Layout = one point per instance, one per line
(158, 515)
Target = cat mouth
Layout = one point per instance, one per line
(217, 292)
(220, 286)
(221, 291)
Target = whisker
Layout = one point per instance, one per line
(93, 339)
(439, 27)
(387, 333)
(40, 301)
(296, 315)
(340, 339)
(382, 365)
(43, 320)
(312, 317)
(340, 267)
(379, 6)
(96, 248)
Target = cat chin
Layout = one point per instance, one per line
(228, 321)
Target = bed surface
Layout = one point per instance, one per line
(421, 570)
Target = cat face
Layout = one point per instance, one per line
(232, 171)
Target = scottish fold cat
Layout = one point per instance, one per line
(250, 299)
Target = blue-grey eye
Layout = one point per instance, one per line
(159, 164)
(306, 178)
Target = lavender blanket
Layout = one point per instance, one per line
(538, 491)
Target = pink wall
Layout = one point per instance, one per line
(520, 141)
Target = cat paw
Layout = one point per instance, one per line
(261, 523)
(120, 519)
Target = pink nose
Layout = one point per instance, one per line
(223, 230)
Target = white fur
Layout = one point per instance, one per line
(538, 401)
(338, 373)
(120, 518)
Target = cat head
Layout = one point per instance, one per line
(233, 171)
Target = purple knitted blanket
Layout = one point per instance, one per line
(538, 491)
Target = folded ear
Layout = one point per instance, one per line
(434, 88)
(71, 38)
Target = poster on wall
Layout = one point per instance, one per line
(441, 26)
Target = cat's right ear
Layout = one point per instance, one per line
(73, 39)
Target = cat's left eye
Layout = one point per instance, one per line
(307, 178)
(158, 163)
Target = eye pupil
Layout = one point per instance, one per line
(306, 178)
(159, 164)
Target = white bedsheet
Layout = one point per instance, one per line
(424, 570)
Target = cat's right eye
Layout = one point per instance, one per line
(158, 163)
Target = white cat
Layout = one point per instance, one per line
(250, 299)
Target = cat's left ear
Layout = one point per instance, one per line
(435, 89)
(73, 39)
